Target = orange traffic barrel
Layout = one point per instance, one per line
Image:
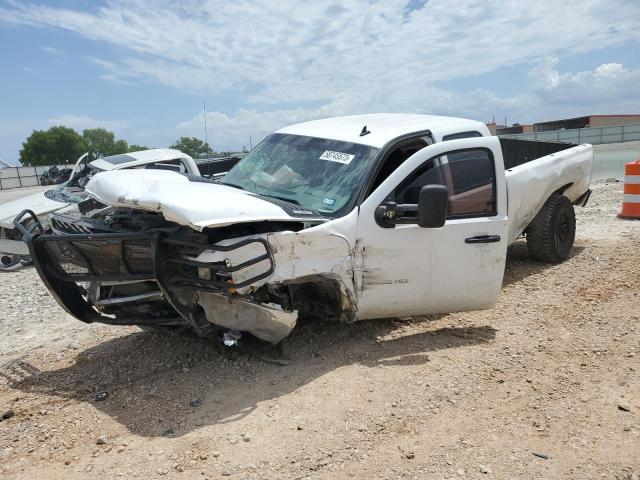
(631, 200)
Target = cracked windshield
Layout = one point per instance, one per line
(317, 174)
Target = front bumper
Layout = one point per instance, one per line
(67, 263)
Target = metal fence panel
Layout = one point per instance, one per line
(9, 172)
(6, 183)
(593, 135)
(16, 177)
(30, 181)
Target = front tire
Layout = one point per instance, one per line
(551, 234)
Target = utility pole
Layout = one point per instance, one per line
(204, 116)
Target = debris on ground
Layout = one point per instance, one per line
(545, 371)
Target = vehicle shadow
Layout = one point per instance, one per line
(520, 265)
(161, 386)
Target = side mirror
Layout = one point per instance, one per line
(433, 205)
(430, 211)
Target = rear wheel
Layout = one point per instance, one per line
(551, 234)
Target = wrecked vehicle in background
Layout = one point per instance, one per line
(347, 218)
(55, 175)
(14, 253)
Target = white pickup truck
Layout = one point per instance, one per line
(347, 218)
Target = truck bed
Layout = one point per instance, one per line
(535, 170)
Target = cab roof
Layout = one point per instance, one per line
(383, 127)
(141, 157)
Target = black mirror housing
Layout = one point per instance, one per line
(433, 205)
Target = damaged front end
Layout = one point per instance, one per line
(128, 267)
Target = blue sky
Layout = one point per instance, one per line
(143, 67)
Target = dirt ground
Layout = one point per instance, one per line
(546, 385)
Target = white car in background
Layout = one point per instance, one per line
(14, 253)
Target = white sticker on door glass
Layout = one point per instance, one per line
(339, 157)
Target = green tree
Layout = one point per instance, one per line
(57, 145)
(120, 146)
(99, 142)
(192, 146)
(137, 148)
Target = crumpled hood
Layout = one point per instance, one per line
(196, 204)
(37, 202)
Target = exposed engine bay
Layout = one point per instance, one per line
(132, 267)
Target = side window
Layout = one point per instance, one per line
(469, 176)
(457, 136)
(396, 157)
(173, 165)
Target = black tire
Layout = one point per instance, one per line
(551, 234)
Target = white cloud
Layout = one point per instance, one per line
(347, 57)
(80, 122)
(609, 88)
(315, 50)
(53, 51)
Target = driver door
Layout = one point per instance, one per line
(410, 270)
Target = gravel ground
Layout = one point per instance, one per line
(544, 385)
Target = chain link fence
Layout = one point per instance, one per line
(16, 177)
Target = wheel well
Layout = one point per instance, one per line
(561, 190)
(320, 297)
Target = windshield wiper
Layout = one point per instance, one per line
(284, 199)
(294, 202)
(232, 185)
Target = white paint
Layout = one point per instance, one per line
(632, 179)
(530, 185)
(268, 322)
(631, 198)
(384, 127)
(180, 200)
(145, 157)
(37, 202)
(409, 270)
(43, 206)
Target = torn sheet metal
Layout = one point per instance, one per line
(318, 251)
(266, 321)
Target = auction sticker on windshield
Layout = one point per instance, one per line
(339, 157)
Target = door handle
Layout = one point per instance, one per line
(483, 239)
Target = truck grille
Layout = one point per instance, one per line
(68, 227)
(102, 257)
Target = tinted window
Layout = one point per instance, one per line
(458, 136)
(395, 158)
(469, 176)
(172, 165)
(118, 159)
